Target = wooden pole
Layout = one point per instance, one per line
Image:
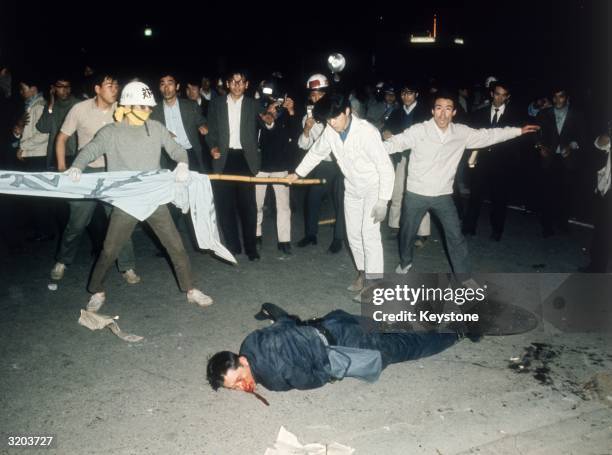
(263, 180)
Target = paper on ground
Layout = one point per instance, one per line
(287, 444)
(95, 321)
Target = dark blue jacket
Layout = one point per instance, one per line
(287, 356)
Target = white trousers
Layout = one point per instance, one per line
(395, 211)
(283, 210)
(363, 234)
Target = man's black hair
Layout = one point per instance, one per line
(169, 73)
(559, 88)
(230, 75)
(502, 84)
(193, 80)
(31, 80)
(218, 365)
(99, 78)
(330, 106)
(444, 94)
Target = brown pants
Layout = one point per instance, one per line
(120, 228)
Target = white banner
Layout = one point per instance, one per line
(137, 193)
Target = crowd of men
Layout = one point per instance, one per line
(386, 146)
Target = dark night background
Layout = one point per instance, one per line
(532, 44)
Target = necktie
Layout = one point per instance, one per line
(494, 121)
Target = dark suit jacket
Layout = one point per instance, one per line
(219, 135)
(572, 130)
(191, 115)
(505, 153)
(398, 121)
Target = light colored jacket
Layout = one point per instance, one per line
(33, 143)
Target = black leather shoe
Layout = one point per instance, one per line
(467, 231)
(308, 240)
(285, 247)
(254, 257)
(258, 241)
(496, 236)
(335, 246)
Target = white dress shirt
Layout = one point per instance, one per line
(362, 158)
(436, 154)
(174, 124)
(234, 110)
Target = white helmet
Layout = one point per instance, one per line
(137, 94)
(317, 82)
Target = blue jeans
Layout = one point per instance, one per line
(394, 347)
(414, 207)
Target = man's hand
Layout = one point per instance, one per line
(74, 173)
(215, 153)
(387, 135)
(379, 211)
(51, 97)
(203, 130)
(544, 151)
(20, 155)
(182, 172)
(267, 117)
(289, 105)
(530, 129)
(17, 131)
(566, 151)
(603, 140)
(292, 178)
(308, 125)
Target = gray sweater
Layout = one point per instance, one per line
(131, 148)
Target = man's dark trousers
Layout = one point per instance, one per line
(334, 188)
(394, 347)
(236, 196)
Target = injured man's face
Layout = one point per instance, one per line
(240, 378)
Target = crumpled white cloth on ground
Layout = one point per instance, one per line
(96, 321)
(287, 444)
(137, 193)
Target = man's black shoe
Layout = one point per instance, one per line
(468, 231)
(308, 240)
(496, 236)
(254, 257)
(258, 241)
(285, 247)
(335, 246)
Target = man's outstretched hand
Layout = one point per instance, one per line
(292, 178)
(529, 129)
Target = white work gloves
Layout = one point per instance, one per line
(379, 211)
(182, 172)
(74, 173)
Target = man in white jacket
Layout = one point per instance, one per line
(368, 179)
(437, 146)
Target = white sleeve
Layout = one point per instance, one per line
(376, 151)
(402, 141)
(485, 137)
(318, 152)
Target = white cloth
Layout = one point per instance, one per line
(435, 155)
(234, 113)
(137, 193)
(362, 158)
(283, 209)
(603, 175)
(305, 142)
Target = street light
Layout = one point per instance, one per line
(148, 32)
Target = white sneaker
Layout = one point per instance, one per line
(402, 270)
(57, 272)
(199, 298)
(130, 277)
(96, 301)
